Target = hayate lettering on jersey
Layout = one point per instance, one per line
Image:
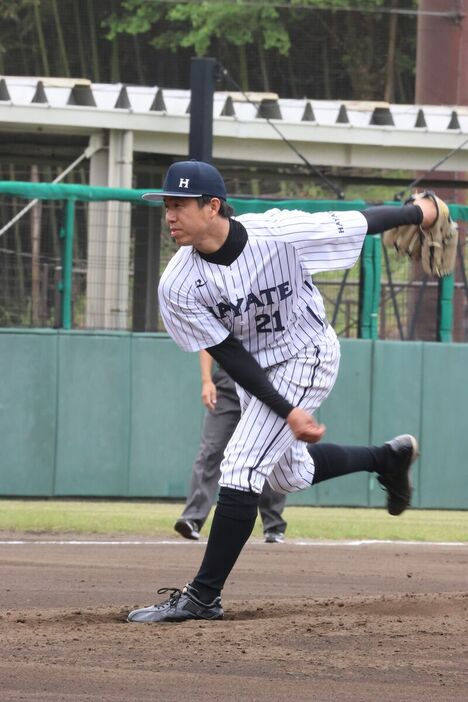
(267, 296)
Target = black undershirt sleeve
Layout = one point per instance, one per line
(384, 217)
(244, 370)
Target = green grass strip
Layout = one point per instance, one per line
(156, 519)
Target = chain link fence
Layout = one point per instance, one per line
(118, 249)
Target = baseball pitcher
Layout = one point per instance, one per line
(242, 288)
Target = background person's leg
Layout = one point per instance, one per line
(218, 427)
(271, 506)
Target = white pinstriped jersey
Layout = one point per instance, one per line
(266, 297)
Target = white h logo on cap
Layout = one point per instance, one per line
(184, 182)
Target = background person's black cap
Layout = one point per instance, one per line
(191, 179)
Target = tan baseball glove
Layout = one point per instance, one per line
(435, 247)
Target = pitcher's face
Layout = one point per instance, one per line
(189, 223)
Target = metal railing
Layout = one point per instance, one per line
(90, 258)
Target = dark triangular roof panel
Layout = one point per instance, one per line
(40, 94)
(82, 95)
(158, 104)
(269, 109)
(421, 119)
(228, 108)
(382, 117)
(4, 94)
(123, 101)
(454, 122)
(342, 115)
(308, 114)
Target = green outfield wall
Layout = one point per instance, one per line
(119, 415)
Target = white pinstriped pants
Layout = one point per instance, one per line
(263, 447)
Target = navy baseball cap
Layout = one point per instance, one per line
(191, 179)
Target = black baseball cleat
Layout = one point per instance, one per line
(272, 536)
(181, 606)
(188, 528)
(396, 478)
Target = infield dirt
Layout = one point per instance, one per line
(376, 622)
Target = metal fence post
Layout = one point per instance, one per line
(67, 233)
(377, 285)
(445, 308)
(369, 295)
(366, 288)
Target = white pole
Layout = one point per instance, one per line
(94, 145)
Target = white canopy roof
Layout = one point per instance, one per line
(327, 132)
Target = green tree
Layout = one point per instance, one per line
(319, 48)
(16, 20)
(200, 25)
(371, 71)
(360, 44)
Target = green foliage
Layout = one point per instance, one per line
(326, 49)
(11, 9)
(12, 15)
(138, 17)
(196, 24)
(346, 4)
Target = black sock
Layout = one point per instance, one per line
(332, 460)
(233, 522)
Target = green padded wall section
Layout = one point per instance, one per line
(28, 398)
(93, 418)
(165, 419)
(396, 401)
(444, 427)
(119, 415)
